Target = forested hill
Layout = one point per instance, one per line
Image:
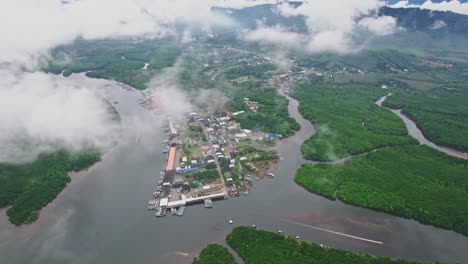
(248, 17)
(408, 18)
(423, 19)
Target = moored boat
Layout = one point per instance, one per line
(181, 211)
(208, 203)
(160, 212)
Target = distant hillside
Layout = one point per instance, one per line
(409, 18)
(423, 20)
(267, 13)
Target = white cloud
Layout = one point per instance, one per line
(438, 24)
(241, 3)
(274, 35)
(331, 25)
(453, 6)
(170, 99)
(331, 41)
(39, 112)
(45, 112)
(379, 26)
(30, 27)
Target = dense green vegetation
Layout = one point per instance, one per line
(442, 116)
(206, 175)
(210, 166)
(412, 181)
(29, 187)
(215, 254)
(122, 61)
(258, 246)
(272, 115)
(347, 121)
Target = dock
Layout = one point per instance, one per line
(188, 201)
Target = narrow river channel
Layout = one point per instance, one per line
(101, 216)
(416, 133)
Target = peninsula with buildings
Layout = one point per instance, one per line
(211, 157)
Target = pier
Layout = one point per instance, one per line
(193, 200)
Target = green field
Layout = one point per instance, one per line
(29, 187)
(412, 181)
(347, 121)
(215, 254)
(258, 246)
(442, 116)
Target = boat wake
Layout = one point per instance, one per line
(334, 232)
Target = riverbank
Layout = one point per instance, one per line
(416, 132)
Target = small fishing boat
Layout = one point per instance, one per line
(208, 203)
(173, 211)
(160, 212)
(181, 211)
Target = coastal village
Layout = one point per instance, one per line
(210, 157)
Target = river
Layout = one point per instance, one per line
(101, 216)
(416, 133)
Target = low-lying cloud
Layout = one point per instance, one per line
(241, 3)
(332, 25)
(39, 112)
(173, 102)
(274, 35)
(169, 98)
(32, 27)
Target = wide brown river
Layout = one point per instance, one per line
(101, 216)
